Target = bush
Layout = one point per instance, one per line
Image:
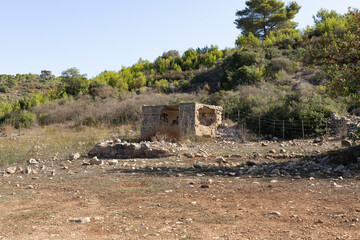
(278, 64)
(24, 120)
(4, 89)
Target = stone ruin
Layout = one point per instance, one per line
(122, 149)
(190, 118)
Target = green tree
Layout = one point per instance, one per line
(262, 16)
(338, 53)
(46, 75)
(74, 82)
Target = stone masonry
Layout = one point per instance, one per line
(190, 118)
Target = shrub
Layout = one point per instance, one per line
(278, 64)
(24, 120)
(4, 89)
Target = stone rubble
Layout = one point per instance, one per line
(123, 150)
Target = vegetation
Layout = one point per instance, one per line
(276, 71)
(260, 17)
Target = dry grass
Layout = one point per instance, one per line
(164, 133)
(60, 141)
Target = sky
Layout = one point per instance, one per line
(98, 35)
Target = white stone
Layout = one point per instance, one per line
(33, 161)
(75, 156)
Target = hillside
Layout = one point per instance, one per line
(283, 75)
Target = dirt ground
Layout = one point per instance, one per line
(159, 201)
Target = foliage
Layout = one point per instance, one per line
(262, 16)
(248, 41)
(74, 82)
(24, 120)
(339, 56)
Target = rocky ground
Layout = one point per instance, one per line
(300, 189)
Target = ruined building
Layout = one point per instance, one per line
(190, 118)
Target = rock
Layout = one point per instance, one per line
(30, 187)
(74, 156)
(204, 186)
(252, 163)
(282, 150)
(340, 168)
(210, 181)
(189, 155)
(318, 140)
(272, 151)
(201, 165)
(80, 220)
(239, 156)
(221, 160)
(33, 161)
(275, 213)
(94, 160)
(113, 162)
(28, 170)
(11, 170)
(256, 155)
(345, 143)
(334, 184)
(275, 171)
(264, 144)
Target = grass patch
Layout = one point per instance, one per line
(31, 214)
(60, 141)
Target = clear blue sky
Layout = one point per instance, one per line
(98, 35)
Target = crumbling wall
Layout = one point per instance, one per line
(187, 118)
(192, 118)
(151, 117)
(207, 119)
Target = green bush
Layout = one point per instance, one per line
(4, 89)
(279, 63)
(24, 120)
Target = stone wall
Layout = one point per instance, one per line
(192, 118)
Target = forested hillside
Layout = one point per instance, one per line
(275, 71)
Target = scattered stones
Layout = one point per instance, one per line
(124, 150)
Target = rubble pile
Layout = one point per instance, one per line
(344, 125)
(122, 149)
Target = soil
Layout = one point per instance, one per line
(122, 202)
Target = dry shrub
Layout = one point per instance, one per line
(164, 133)
(108, 111)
